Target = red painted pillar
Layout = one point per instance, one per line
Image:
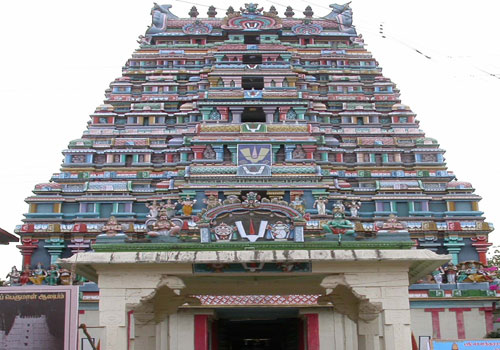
(460, 320)
(312, 331)
(198, 151)
(27, 248)
(200, 332)
(224, 112)
(309, 149)
(436, 329)
(481, 244)
(488, 318)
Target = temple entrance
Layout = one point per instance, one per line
(258, 329)
(253, 115)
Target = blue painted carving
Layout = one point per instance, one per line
(342, 14)
(160, 14)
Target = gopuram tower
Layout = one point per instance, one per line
(254, 182)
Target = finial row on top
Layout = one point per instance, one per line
(342, 14)
(250, 8)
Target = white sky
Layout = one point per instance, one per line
(58, 56)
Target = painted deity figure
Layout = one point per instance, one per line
(153, 210)
(320, 205)
(14, 277)
(163, 226)
(170, 208)
(339, 225)
(251, 199)
(212, 202)
(392, 224)
(25, 275)
(251, 9)
(38, 275)
(187, 206)
(298, 204)
(451, 272)
(437, 274)
(52, 275)
(112, 227)
(354, 207)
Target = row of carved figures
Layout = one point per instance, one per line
(39, 275)
(250, 199)
(466, 272)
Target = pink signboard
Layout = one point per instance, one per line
(39, 317)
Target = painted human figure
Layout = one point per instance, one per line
(187, 206)
(153, 210)
(52, 275)
(320, 205)
(25, 275)
(39, 274)
(298, 204)
(437, 274)
(212, 202)
(14, 277)
(451, 272)
(354, 207)
(112, 227)
(170, 208)
(163, 226)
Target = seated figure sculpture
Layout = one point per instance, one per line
(339, 225)
(163, 226)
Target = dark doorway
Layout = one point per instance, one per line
(268, 334)
(253, 115)
(129, 160)
(252, 59)
(252, 39)
(403, 209)
(249, 83)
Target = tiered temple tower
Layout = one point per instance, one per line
(250, 132)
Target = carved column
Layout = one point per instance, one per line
(283, 112)
(309, 149)
(27, 248)
(368, 335)
(481, 244)
(224, 113)
(379, 302)
(276, 148)
(289, 152)
(54, 246)
(219, 151)
(454, 244)
(269, 111)
(234, 155)
(236, 111)
(198, 151)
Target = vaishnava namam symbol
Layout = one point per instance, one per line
(253, 156)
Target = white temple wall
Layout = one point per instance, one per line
(181, 330)
(421, 323)
(474, 324)
(336, 331)
(448, 325)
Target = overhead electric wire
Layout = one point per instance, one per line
(381, 32)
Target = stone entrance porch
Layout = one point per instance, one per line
(154, 300)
